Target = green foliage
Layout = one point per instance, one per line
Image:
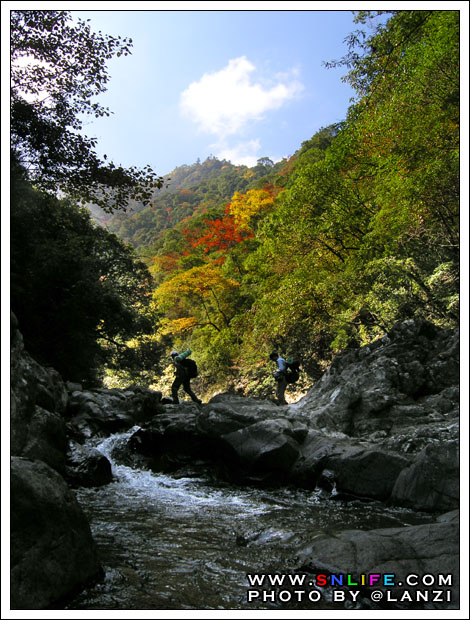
(363, 229)
(79, 293)
(359, 229)
(189, 192)
(57, 68)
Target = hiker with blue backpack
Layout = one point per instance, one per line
(185, 370)
(280, 377)
(287, 372)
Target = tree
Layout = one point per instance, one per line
(222, 235)
(199, 297)
(57, 68)
(265, 162)
(244, 208)
(367, 235)
(78, 292)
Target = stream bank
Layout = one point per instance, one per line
(350, 478)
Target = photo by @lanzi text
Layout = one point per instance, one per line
(341, 587)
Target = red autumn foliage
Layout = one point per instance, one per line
(222, 234)
(167, 262)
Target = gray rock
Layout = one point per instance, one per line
(357, 431)
(366, 472)
(431, 482)
(38, 399)
(171, 440)
(73, 387)
(389, 386)
(356, 468)
(87, 467)
(102, 411)
(52, 551)
(247, 406)
(265, 446)
(46, 439)
(225, 414)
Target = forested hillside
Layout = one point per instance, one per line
(187, 191)
(358, 230)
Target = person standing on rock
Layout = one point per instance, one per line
(183, 376)
(280, 377)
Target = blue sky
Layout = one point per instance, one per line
(236, 84)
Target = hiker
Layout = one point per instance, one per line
(183, 375)
(280, 377)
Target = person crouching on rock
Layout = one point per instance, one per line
(280, 377)
(183, 376)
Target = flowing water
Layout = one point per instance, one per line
(188, 543)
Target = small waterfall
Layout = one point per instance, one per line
(182, 492)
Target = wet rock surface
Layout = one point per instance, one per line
(87, 466)
(104, 411)
(382, 422)
(370, 422)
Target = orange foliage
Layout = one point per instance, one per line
(167, 262)
(222, 234)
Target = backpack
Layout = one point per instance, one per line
(292, 371)
(190, 367)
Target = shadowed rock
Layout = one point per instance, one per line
(52, 551)
(431, 482)
(87, 467)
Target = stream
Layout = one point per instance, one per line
(169, 542)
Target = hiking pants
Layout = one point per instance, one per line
(186, 383)
(281, 388)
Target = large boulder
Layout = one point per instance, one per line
(359, 431)
(87, 466)
(226, 413)
(258, 407)
(169, 441)
(354, 468)
(53, 554)
(267, 446)
(431, 482)
(238, 437)
(366, 472)
(52, 551)
(106, 411)
(406, 379)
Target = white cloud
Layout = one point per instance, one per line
(222, 103)
(243, 154)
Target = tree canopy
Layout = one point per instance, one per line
(58, 67)
(80, 293)
(319, 252)
(356, 231)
